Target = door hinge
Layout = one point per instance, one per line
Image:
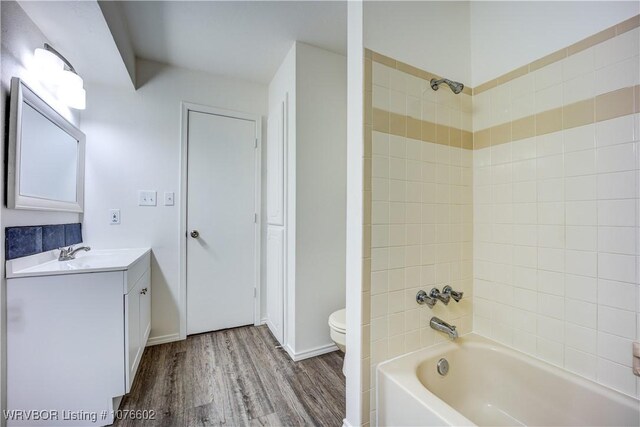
(255, 292)
(255, 145)
(255, 218)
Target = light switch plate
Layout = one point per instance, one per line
(114, 216)
(147, 198)
(169, 198)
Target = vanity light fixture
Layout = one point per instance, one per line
(58, 75)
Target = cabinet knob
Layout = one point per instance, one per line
(144, 291)
(195, 234)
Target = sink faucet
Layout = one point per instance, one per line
(69, 253)
(442, 326)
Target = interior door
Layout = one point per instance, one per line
(221, 216)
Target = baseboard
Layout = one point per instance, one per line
(324, 349)
(345, 423)
(162, 339)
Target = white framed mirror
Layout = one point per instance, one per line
(45, 168)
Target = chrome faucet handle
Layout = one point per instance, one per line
(442, 296)
(457, 296)
(423, 298)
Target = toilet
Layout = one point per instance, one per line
(338, 328)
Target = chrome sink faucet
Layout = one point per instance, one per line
(67, 254)
(442, 326)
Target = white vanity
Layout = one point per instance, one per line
(76, 331)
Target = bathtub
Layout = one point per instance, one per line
(489, 384)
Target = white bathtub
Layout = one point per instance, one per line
(489, 384)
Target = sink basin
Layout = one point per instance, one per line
(47, 264)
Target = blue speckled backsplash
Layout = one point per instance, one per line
(34, 239)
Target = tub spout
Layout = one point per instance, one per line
(442, 326)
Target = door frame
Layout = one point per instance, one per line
(186, 107)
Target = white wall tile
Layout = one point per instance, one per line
(583, 364)
(617, 49)
(581, 338)
(618, 185)
(584, 238)
(616, 376)
(617, 322)
(581, 213)
(617, 158)
(617, 267)
(579, 138)
(549, 144)
(581, 288)
(618, 75)
(548, 76)
(581, 313)
(581, 263)
(580, 163)
(550, 351)
(578, 88)
(618, 294)
(581, 187)
(620, 240)
(617, 213)
(614, 131)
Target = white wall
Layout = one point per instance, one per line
(508, 34)
(20, 37)
(321, 164)
(431, 35)
(133, 143)
(315, 83)
(355, 218)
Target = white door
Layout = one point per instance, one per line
(221, 228)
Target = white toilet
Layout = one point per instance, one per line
(338, 328)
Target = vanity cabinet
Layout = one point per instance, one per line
(75, 337)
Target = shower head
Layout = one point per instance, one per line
(456, 87)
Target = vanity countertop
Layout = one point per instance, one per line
(94, 261)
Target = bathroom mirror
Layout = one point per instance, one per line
(46, 156)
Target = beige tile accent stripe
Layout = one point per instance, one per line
(593, 40)
(422, 130)
(409, 69)
(607, 106)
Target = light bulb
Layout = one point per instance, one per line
(70, 90)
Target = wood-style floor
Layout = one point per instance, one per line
(236, 377)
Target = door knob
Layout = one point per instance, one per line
(195, 234)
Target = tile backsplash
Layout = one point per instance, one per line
(34, 239)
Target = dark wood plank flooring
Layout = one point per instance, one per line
(236, 377)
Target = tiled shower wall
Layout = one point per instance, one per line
(556, 234)
(419, 221)
(556, 231)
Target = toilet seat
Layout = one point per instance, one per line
(337, 321)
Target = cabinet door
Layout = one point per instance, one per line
(133, 347)
(275, 281)
(145, 309)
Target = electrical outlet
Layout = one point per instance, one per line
(169, 198)
(146, 198)
(114, 216)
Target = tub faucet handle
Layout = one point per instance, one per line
(457, 296)
(423, 298)
(442, 296)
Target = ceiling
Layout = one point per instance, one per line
(243, 39)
